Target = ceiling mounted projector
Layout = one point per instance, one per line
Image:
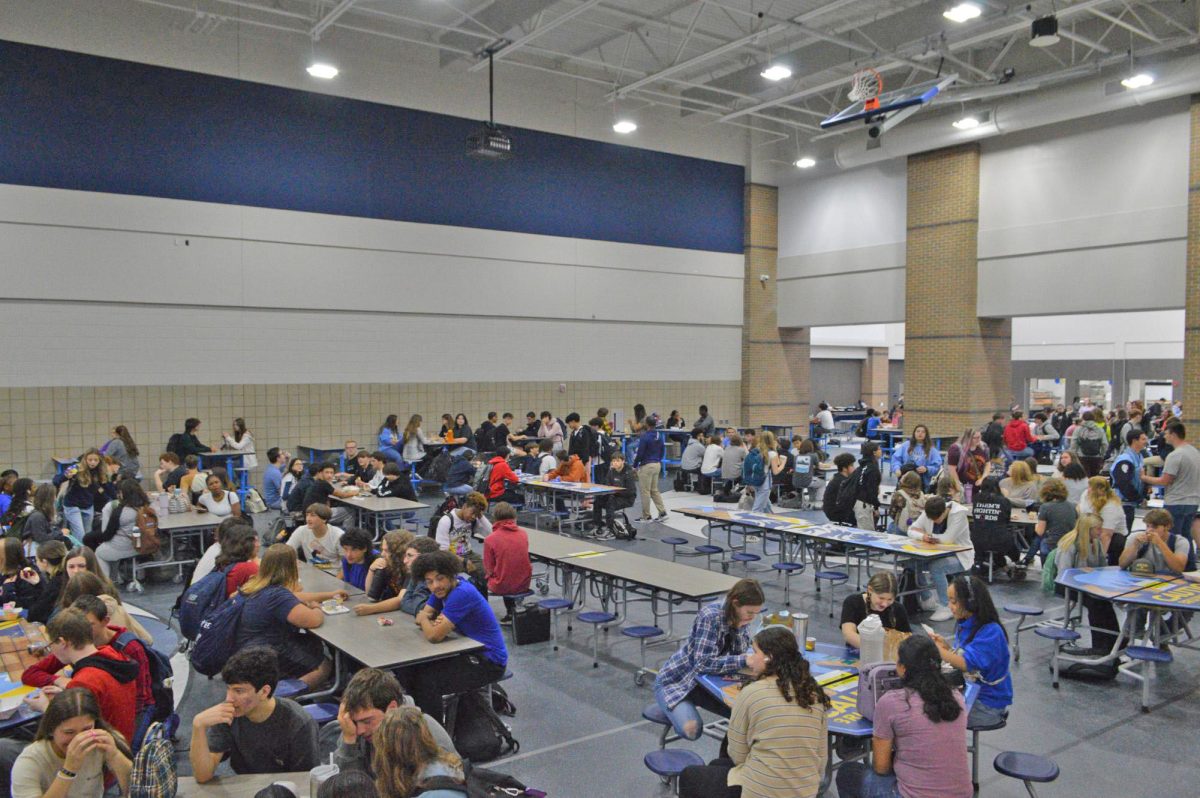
(1044, 31)
(490, 143)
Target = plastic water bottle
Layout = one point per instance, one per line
(871, 635)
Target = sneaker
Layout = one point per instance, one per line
(941, 614)
(929, 604)
(661, 517)
(1018, 574)
(604, 534)
(506, 620)
(644, 519)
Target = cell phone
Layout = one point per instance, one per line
(929, 630)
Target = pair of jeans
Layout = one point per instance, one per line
(1012, 455)
(648, 483)
(1182, 516)
(982, 715)
(762, 496)
(427, 683)
(393, 454)
(688, 710)
(939, 571)
(460, 490)
(79, 520)
(856, 780)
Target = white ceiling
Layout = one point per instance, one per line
(688, 70)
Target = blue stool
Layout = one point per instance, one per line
(974, 745)
(290, 688)
(707, 550)
(834, 578)
(667, 764)
(787, 569)
(1022, 610)
(1027, 768)
(674, 543)
(598, 621)
(1060, 636)
(641, 634)
(554, 605)
(1151, 656)
(322, 713)
(745, 558)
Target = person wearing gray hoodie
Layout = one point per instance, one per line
(1089, 444)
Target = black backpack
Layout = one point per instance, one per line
(479, 734)
(861, 430)
(439, 469)
(848, 493)
(161, 674)
(477, 783)
(483, 439)
(608, 447)
(175, 444)
(295, 500)
(445, 507)
(1090, 447)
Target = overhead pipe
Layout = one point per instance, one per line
(1023, 112)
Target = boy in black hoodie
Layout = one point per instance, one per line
(866, 505)
(844, 463)
(622, 476)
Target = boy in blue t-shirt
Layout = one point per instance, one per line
(454, 605)
(357, 556)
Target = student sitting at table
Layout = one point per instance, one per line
(358, 553)
(119, 522)
(546, 461)
(1019, 486)
(387, 575)
(1086, 546)
(710, 465)
(408, 760)
(191, 470)
(277, 610)
(550, 428)
(908, 502)
(844, 463)
(318, 539)
(48, 577)
(323, 488)
(219, 499)
(460, 477)
(295, 477)
(718, 643)
(109, 674)
(390, 440)
(462, 435)
(208, 559)
(238, 557)
(920, 451)
(980, 649)
(272, 491)
(74, 752)
(358, 468)
(502, 430)
(1076, 480)
(379, 462)
(528, 462)
(693, 456)
(503, 480)
(992, 532)
(1158, 548)
(917, 749)
(506, 558)
(569, 469)
(943, 522)
(371, 694)
(396, 484)
(778, 730)
(605, 508)
(1056, 517)
(461, 523)
(12, 587)
(169, 472)
(454, 605)
(879, 599)
(254, 730)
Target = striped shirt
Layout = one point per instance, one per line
(779, 747)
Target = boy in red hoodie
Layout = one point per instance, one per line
(506, 557)
(110, 675)
(501, 478)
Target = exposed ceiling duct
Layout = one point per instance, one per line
(1021, 112)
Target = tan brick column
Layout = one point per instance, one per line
(1191, 336)
(875, 377)
(775, 367)
(957, 366)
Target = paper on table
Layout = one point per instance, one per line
(832, 676)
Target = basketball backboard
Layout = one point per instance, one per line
(890, 102)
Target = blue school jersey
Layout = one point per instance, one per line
(988, 656)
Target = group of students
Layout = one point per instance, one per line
(777, 732)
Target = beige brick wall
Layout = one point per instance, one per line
(775, 361)
(875, 377)
(958, 367)
(39, 423)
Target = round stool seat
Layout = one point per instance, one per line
(641, 632)
(832, 576)
(654, 713)
(1027, 767)
(674, 541)
(988, 726)
(745, 556)
(521, 595)
(287, 688)
(670, 762)
(1056, 633)
(1148, 654)
(556, 604)
(787, 566)
(708, 548)
(1023, 609)
(596, 617)
(322, 713)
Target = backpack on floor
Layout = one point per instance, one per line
(217, 640)
(754, 473)
(477, 783)
(502, 703)
(201, 600)
(479, 734)
(439, 469)
(1049, 570)
(153, 774)
(161, 674)
(874, 680)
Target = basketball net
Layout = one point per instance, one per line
(865, 87)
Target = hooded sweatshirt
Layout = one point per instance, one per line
(43, 672)
(506, 558)
(1088, 430)
(1017, 436)
(501, 475)
(112, 678)
(572, 471)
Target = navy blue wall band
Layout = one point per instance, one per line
(75, 121)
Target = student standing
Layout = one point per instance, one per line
(704, 422)
(920, 451)
(718, 643)
(778, 731)
(240, 440)
(980, 649)
(844, 463)
(273, 478)
(1086, 546)
(582, 439)
(254, 730)
(1181, 479)
(866, 503)
(85, 483)
(551, 429)
(773, 464)
(648, 463)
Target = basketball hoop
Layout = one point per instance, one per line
(865, 87)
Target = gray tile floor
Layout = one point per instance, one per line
(581, 730)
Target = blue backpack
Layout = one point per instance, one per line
(753, 473)
(217, 639)
(161, 674)
(200, 600)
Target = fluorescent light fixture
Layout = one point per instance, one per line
(967, 123)
(776, 72)
(624, 126)
(319, 69)
(1139, 81)
(963, 12)
(805, 162)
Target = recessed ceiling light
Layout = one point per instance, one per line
(1139, 81)
(322, 70)
(967, 123)
(624, 126)
(776, 72)
(806, 162)
(963, 12)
